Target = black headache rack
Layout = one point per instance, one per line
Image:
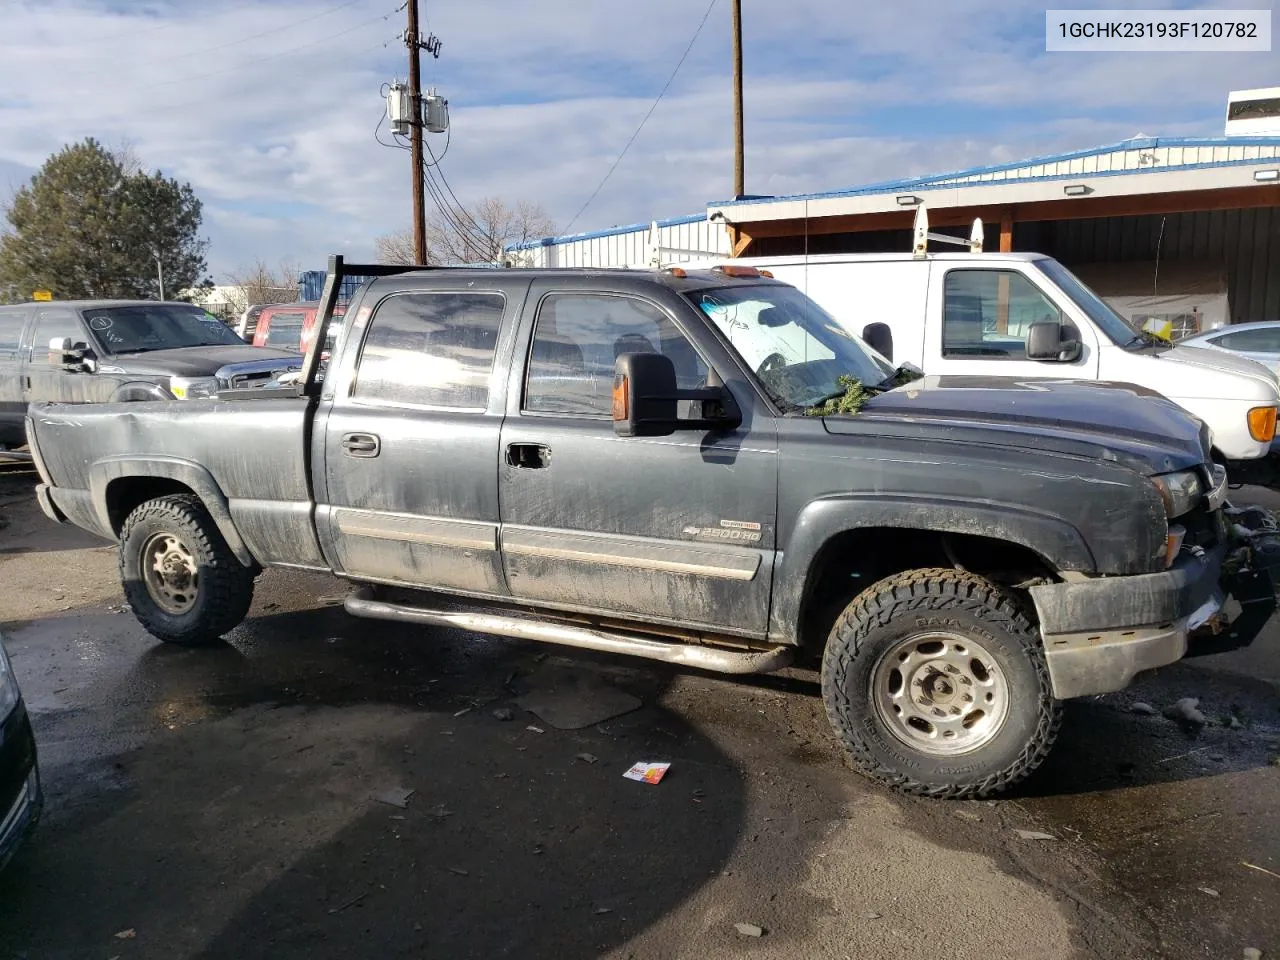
(339, 270)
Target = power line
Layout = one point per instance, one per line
(469, 242)
(435, 162)
(279, 53)
(134, 31)
(684, 56)
(222, 46)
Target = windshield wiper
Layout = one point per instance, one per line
(1147, 339)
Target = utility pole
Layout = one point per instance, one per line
(159, 272)
(414, 42)
(739, 177)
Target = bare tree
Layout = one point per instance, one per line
(479, 234)
(396, 248)
(260, 284)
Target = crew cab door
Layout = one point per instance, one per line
(979, 318)
(411, 427)
(12, 405)
(673, 530)
(45, 378)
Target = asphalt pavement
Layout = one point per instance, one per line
(321, 786)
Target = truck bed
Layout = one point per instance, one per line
(98, 458)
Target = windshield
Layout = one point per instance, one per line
(796, 348)
(1116, 328)
(160, 327)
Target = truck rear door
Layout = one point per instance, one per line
(408, 488)
(12, 404)
(676, 529)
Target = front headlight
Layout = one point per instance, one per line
(1179, 491)
(8, 685)
(193, 388)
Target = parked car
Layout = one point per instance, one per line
(287, 326)
(247, 325)
(1257, 341)
(20, 797)
(647, 463)
(89, 351)
(1026, 315)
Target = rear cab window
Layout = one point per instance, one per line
(430, 349)
(283, 329)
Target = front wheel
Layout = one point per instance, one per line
(181, 579)
(937, 684)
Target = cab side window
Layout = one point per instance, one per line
(576, 339)
(51, 322)
(988, 314)
(431, 349)
(12, 320)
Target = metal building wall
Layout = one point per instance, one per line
(1246, 241)
(631, 248)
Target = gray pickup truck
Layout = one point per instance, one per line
(648, 463)
(86, 351)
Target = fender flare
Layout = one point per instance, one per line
(1053, 539)
(189, 474)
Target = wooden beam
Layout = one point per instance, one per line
(1192, 201)
(742, 242)
(1006, 232)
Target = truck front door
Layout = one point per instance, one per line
(979, 318)
(409, 490)
(678, 529)
(46, 379)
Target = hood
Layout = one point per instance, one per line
(1230, 367)
(1094, 419)
(196, 361)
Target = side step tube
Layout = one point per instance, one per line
(362, 604)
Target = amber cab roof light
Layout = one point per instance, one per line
(736, 270)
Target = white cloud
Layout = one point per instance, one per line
(269, 108)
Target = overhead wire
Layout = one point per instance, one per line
(439, 170)
(665, 87)
(281, 53)
(134, 31)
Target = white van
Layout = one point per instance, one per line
(1026, 315)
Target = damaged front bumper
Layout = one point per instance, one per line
(1101, 632)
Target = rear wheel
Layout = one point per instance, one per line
(181, 579)
(937, 684)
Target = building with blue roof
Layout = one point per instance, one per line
(1174, 218)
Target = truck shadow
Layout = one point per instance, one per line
(246, 822)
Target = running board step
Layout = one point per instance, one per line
(362, 603)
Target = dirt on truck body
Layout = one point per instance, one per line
(629, 461)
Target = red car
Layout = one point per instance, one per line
(288, 326)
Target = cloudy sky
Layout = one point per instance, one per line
(268, 108)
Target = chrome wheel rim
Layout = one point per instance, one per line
(170, 573)
(940, 693)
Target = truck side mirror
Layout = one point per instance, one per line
(65, 352)
(879, 338)
(1049, 340)
(646, 398)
